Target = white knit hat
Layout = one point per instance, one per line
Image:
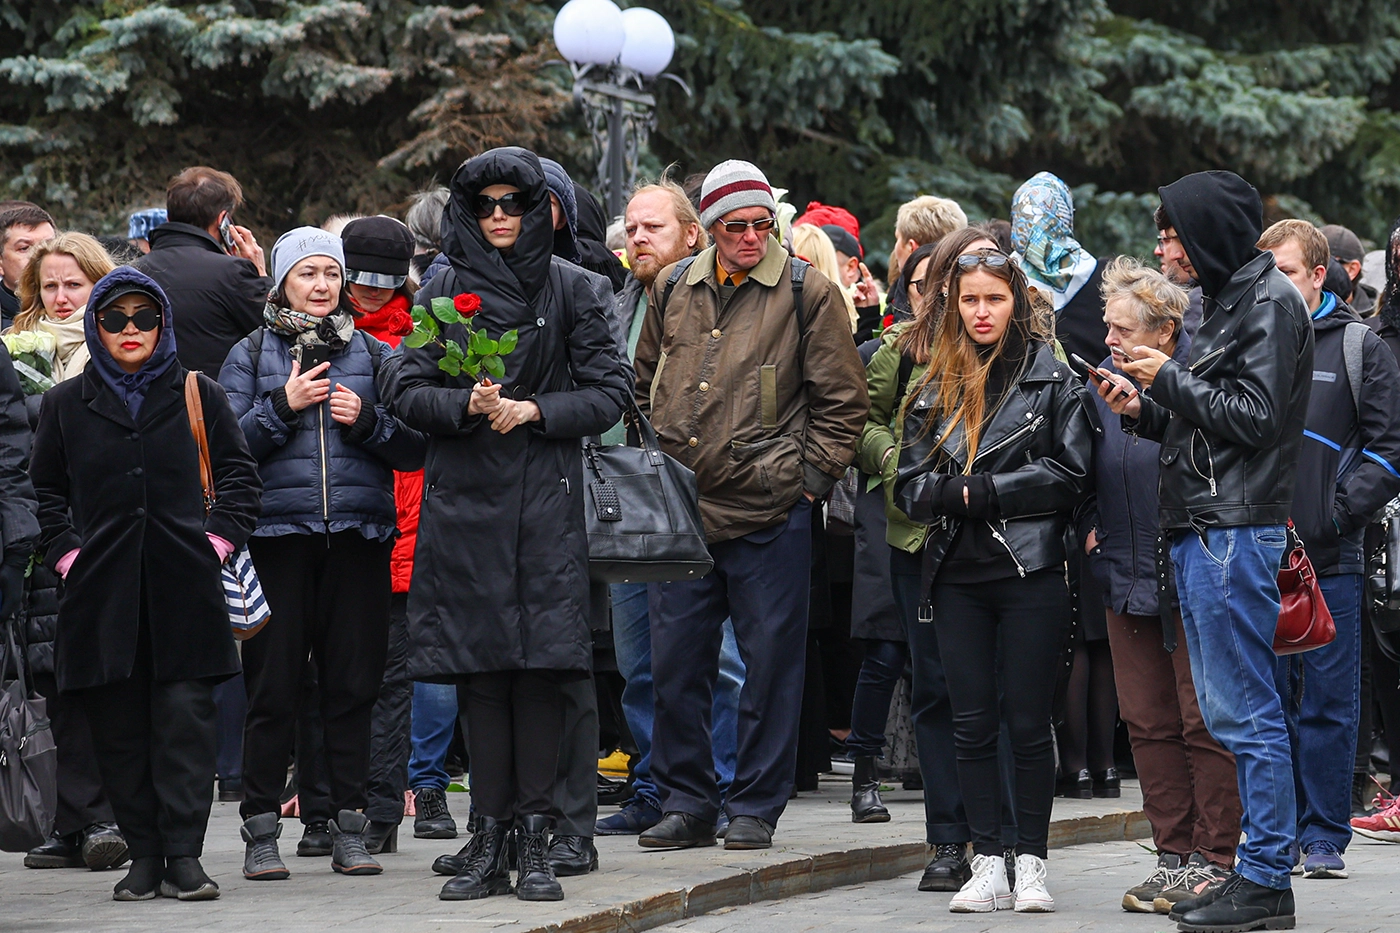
(733, 185)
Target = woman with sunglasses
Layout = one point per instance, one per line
(309, 391)
(996, 453)
(143, 631)
(499, 599)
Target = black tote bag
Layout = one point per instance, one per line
(28, 757)
(643, 512)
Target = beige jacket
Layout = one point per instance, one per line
(723, 389)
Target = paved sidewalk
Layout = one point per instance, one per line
(816, 847)
(1087, 883)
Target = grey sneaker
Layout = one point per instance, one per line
(349, 855)
(261, 860)
(1197, 877)
(1140, 899)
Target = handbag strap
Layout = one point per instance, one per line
(194, 408)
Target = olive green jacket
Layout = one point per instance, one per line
(884, 432)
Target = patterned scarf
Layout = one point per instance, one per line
(1042, 233)
(334, 330)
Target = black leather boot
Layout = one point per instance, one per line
(381, 838)
(1106, 783)
(572, 855)
(315, 840)
(948, 870)
(866, 806)
(678, 830)
(103, 846)
(484, 869)
(1242, 905)
(57, 852)
(534, 878)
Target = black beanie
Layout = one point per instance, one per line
(377, 251)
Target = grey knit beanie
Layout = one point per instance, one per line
(733, 185)
(296, 244)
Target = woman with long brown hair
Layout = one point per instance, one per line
(53, 294)
(996, 456)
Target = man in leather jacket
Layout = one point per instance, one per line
(1230, 422)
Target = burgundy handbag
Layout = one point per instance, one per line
(1304, 621)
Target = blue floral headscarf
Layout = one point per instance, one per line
(1042, 234)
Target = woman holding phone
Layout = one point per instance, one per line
(997, 447)
(309, 393)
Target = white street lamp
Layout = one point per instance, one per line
(648, 42)
(590, 32)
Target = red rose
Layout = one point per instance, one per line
(467, 304)
(888, 322)
(400, 324)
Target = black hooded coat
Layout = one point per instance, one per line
(1230, 419)
(591, 240)
(500, 577)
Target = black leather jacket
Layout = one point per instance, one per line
(1038, 447)
(1230, 421)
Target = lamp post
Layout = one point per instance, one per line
(615, 55)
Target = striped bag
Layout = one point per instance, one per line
(247, 607)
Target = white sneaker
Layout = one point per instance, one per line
(986, 890)
(1031, 894)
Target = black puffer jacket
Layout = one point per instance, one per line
(1037, 446)
(500, 575)
(1230, 420)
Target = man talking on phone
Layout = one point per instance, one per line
(1230, 422)
(212, 270)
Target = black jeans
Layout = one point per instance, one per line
(1014, 629)
(156, 743)
(390, 724)
(329, 596)
(576, 786)
(870, 709)
(515, 720)
(81, 800)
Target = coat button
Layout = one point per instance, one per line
(135, 435)
(704, 387)
(539, 322)
(715, 333)
(694, 441)
(137, 472)
(139, 512)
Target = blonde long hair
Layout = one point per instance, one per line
(959, 372)
(811, 243)
(91, 258)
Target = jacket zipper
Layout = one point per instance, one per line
(1006, 544)
(1209, 356)
(1128, 497)
(1210, 461)
(1010, 438)
(325, 477)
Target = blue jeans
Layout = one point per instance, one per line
(1322, 690)
(434, 714)
(632, 645)
(1228, 584)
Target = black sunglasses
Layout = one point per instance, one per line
(114, 321)
(742, 226)
(514, 204)
(987, 257)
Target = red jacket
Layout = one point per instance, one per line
(391, 324)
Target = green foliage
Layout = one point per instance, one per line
(481, 351)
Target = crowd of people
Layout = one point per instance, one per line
(1028, 491)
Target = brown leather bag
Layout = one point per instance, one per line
(1304, 621)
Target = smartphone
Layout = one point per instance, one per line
(1122, 354)
(226, 234)
(1083, 366)
(313, 355)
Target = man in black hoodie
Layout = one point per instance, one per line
(1230, 422)
(1346, 472)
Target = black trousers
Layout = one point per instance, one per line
(156, 744)
(391, 724)
(81, 800)
(931, 711)
(1013, 628)
(515, 720)
(576, 783)
(329, 596)
(761, 582)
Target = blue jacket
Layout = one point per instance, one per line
(320, 476)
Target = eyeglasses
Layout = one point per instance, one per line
(742, 226)
(918, 286)
(1163, 240)
(514, 204)
(114, 322)
(990, 258)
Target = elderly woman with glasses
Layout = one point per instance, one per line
(997, 447)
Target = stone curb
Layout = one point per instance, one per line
(808, 874)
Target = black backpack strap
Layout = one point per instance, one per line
(906, 372)
(799, 275)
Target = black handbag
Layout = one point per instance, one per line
(642, 512)
(28, 757)
(1385, 576)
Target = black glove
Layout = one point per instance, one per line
(12, 581)
(980, 499)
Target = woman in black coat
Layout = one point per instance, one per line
(143, 629)
(499, 598)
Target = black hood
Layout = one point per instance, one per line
(592, 239)
(1390, 298)
(478, 262)
(1219, 217)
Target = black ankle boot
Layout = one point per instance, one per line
(866, 806)
(1106, 783)
(484, 868)
(534, 879)
(1242, 905)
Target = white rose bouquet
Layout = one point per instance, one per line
(33, 353)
